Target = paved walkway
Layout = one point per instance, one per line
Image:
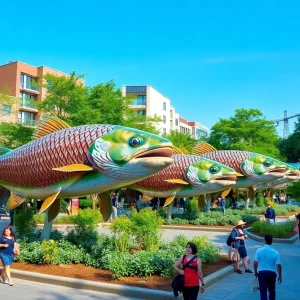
(232, 287)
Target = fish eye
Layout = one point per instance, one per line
(213, 169)
(267, 163)
(134, 142)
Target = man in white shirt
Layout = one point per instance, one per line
(266, 262)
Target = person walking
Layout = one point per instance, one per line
(298, 223)
(270, 214)
(8, 246)
(192, 271)
(114, 202)
(139, 203)
(222, 205)
(238, 237)
(266, 262)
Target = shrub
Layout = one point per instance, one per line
(122, 230)
(260, 200)
(277, 231)
(86, 220)
(145, 226)
(24, 221)
(49, 250)
(250, 218)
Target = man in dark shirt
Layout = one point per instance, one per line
(270, 213)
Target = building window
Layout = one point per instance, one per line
(201, 133)
(176, 122)
(164, 106)
(26, 117)
(164, 130)
(164, 119)
(27, 100)
(28, 82)
(136, 89)
(6, 110)
(140, 100)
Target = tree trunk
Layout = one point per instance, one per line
(94, 199)
(208, 202)
(247, 203)
(47, 228)
(170, 209)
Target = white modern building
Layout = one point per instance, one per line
(148, 101)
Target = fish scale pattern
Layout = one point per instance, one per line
(31, 165)
(231, 158)
(175, 171)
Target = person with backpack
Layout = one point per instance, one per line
(192, 272)
(270, 213)
(236, 240)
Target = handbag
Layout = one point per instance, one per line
(255, 285)
(233, 254)
(17, 249)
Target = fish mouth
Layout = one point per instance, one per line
(155, 153)
(227, 179)
(280, 170)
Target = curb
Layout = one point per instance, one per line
(275, 240)
(196, 228)
(122, 290)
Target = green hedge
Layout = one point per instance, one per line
(277, 231)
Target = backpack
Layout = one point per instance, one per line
(229, 240)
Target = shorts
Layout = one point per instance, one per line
(7, 259)
(242, 251)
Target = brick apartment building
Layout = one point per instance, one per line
(20, 80)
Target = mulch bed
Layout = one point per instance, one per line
(80, 271)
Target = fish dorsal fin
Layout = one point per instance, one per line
(4, 150)
(146, 198)
(14, 201)
(177, 181)
(49, 125)
(53, 210)
(202, 148)
(169, 200)
(225, 193)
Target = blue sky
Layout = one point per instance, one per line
(208, 57)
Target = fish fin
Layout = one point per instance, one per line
(49, 201)
(4, 150)
(251, 193)
(201, 202)
(177, 150)
(53, 210)
(74, 168)
(48, 126)
(14, 201)
(225, 193)
(239, 174)
(178, 181)
(169, 200)
(202, 148)
(146, 198)
(105, 205)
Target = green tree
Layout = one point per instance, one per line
(290, 147)
(6, 100)
(14, 135)
(294, 190)
(66, 95)
(247, 130)
(182, 141)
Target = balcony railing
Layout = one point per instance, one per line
(27, 103)
(29, 86)
(139, 102)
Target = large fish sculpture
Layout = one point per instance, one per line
(187, 176)
(64, 162)
(292, 174)
(256, 168)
